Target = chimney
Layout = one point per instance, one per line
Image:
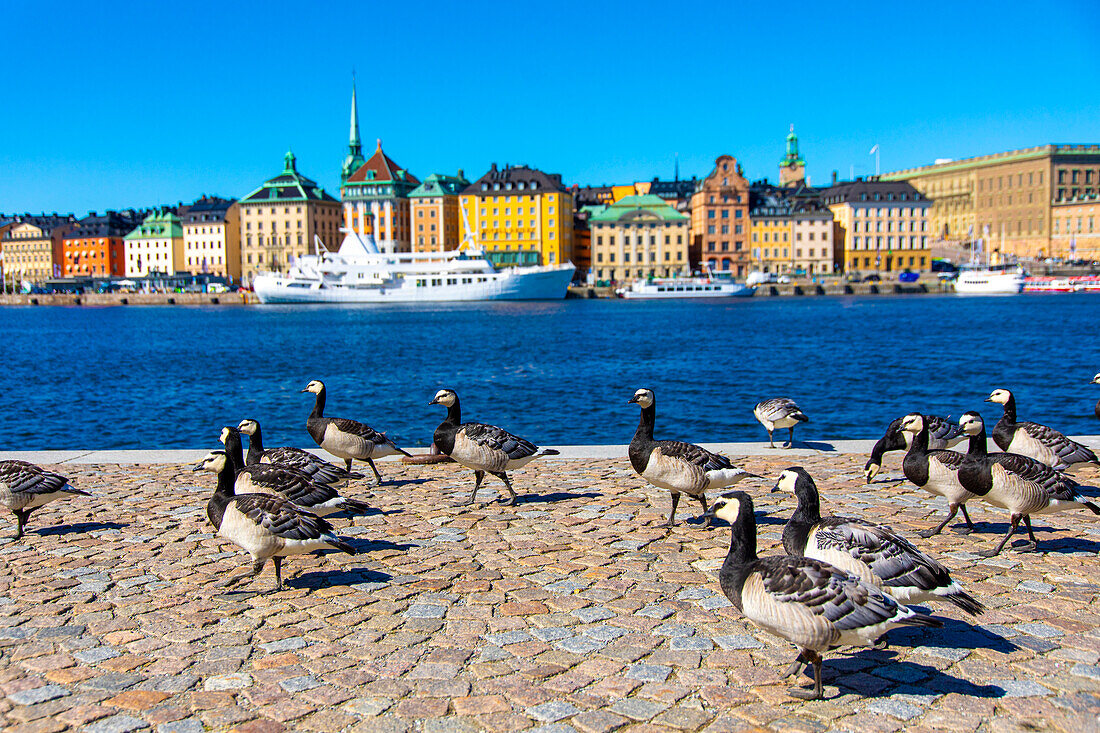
(493, 167)
(461, 173)
(834, 177)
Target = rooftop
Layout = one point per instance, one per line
(288, 186)
(630, 208)
(515, 178)
(1010, 156)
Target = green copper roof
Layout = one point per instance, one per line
(439, 184)
(158, 225)
(288, 186)
(654, 205)
(792, 157)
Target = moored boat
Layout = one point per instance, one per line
(686, 287)
(990, 280)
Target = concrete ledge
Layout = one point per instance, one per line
(568, 452)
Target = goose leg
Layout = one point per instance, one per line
(278, 572)
(796, 667)
(815, 694)
(347, 479)
(503, 476)
(771, 441)
(952, 510)
(706, 518)
(257, 568)
(672, 514)
(1032, 544)
(378, 476)
(997, 550)
(479, 476)
(790, 440)
(20, 522)
(969, 525)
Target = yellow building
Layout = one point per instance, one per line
(212, 237)
(520, 216)
(1075, 228)
(32, 246)
(880, 226)
(639, 236)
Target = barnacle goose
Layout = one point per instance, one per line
(265, 526)
(874, 553)
(25, 487)
(942, 433)
(484, 448)
(778, 413)
(682, 468)
(284, 481)
(315, 467)
(935, 471)
(810, 603)
(1096, 380)
(1034, 440)
(344, 438)
(1021, 485)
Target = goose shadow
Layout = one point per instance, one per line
(955, 634)
(363, 546)
(369, 512)
(397, 482)
(63, 529)
(907, 676)
(554, 497)
(314, 579)
(814, 445)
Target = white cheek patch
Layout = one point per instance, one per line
(729, 510)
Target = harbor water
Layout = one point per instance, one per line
(556, 372)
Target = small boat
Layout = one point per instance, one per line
(990, 280)
(686, 287)
(1048, 285)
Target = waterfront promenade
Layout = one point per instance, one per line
(573, 610)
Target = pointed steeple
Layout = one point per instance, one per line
(676, 174)
(354, 158)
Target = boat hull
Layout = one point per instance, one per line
(542, 283)
(673, 291)
(989, 284)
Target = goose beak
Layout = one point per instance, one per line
(434, 401)
(305, 390)
(988, 399)
(196, 468)
(775, 489)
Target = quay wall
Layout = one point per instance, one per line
(104, 299)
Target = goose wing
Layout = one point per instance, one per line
(694, 454)
(290, 483)
(1068, 451)
(941, 429)
(891, 557)
(21, 477)
(281, 518)
(366, 432)
(777, 408)
(1056, 484)
(825, 591)
(951, 459)
(499, 439)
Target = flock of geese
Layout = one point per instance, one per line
(843, 581)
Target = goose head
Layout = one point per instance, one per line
(248, 427)
(315, 386)
(728, 505)
(913, 423)
(1000, 396)
(796, 480)
(871, 469)
(214, 462)
(226, 433)
(971, 423)
(643, 397)
(445, 397)
(1095, 380)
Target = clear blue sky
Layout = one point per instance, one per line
(115, 105)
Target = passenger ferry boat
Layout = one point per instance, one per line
(990, 280)
(686, 287)
(359, 272)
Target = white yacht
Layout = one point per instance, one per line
(685, 287)
(990, 280)
(360, 272)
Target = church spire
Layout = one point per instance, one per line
(354, 157)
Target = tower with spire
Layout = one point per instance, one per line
(792, 168)
(354, 158)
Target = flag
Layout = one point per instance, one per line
(873, 150)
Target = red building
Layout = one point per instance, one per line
(95, 245)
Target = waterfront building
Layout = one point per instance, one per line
(1074, 228)
(95, 245)
(639, 236)
(792, 168)
(720, 219)
(376, 201)
(879, 225)
(591, 196)
(521, 216)
(32, 245)
(1006, 198)
(437, 221)
(283, 219)
(582, 243)
(154, 247)
(212, 237)
(676, 193)
(792, 230)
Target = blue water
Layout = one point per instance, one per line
(557, 373)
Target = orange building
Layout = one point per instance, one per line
(376, 201)
(95, 246)
(436, 219)
(720, 219)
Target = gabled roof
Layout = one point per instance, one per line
(206, 209)
(439, 184)
(379, 168)
(158, 225)
(46, 222)
(515, 178)
(110, 224)
(865, 191)
(645, 206)
(290, 185)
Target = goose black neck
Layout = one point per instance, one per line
(1009, 415)
(234, 450)
(743, 536)
(646, 422)
(977, 446)
(255, 446)
(319, 405)
(809, 504)
(454, 413)
(919, 446)
(223, 494)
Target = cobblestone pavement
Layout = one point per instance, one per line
(573, 610)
